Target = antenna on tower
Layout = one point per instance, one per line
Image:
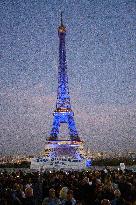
(61, 18)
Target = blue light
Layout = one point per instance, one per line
(88, 163)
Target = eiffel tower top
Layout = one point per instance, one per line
(62, 28)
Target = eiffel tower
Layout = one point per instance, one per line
(63, 112)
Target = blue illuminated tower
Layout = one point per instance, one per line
(63, 112)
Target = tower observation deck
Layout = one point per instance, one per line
(63, 112)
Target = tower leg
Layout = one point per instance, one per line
(55, 128)
(72, 129)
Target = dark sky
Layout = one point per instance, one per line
(100, 46)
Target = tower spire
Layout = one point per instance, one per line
(61, 18)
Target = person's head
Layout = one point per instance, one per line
(117, 193)
(63, 193)
(28, 192)
(16, 186)
(85, 180)
(98, 182)
(105, 202)
(69, 194)
(52, 193)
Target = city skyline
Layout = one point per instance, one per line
(100, 50)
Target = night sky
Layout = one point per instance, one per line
(100, 49)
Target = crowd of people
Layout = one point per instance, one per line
(93, 187)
